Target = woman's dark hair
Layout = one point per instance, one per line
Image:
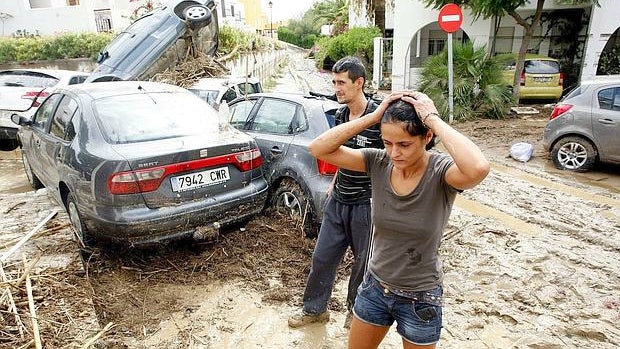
(401, 111)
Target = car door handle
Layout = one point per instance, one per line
(276, 150)
(607, 121)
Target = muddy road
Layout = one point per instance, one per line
(531, 259)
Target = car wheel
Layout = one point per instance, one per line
(81, 233)
(34, 181)
(290, 199)
(197, 16)
(574, 154)
(8, 144)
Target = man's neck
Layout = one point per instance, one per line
(357, 106)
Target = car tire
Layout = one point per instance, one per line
(9, 144)
(34, 181)
(82, 235)
(197, 16)
(289, 198)
(574, 154)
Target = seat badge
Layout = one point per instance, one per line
(203, 153)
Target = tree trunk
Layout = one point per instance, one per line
(527, 37)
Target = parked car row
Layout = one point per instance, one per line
(139, 162)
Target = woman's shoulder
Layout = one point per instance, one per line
(440, 162)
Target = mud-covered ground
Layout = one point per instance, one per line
(531, 259)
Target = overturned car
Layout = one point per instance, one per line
(159, 40)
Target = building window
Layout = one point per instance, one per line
(436, 41)
(52, 3)
(103, 19)
(435, 46)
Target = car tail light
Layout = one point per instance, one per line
(522, 79)
(249, 160)
(34, 96)
(149, 179)
(559, 110)
(561, 82)
(132, 182)
(325, 168)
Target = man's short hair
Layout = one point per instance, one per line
(352, 65)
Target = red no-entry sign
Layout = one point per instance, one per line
(450, 18)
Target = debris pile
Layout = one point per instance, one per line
(189, 71)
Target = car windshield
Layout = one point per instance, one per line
(209, 96)
(152, 116)
(123, 42)
(542, 67)
(26, 79)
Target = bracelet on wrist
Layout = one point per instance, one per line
(427, 115)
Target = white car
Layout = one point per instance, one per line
(23, 90)
(217, 90)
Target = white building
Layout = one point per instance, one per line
(416, 35)
(50, 17)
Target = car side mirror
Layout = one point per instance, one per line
(20, 120)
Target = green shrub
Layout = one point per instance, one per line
(478, 90)
(69, 45)
(354, 42)
(244, 41)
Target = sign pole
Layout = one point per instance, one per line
(450, 19)
(450, 79)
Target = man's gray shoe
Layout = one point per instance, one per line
(303, 319)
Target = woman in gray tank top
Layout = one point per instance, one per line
(413, 191)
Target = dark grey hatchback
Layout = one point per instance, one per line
(283, 125)
(139, 162)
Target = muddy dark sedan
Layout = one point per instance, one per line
(140, 162)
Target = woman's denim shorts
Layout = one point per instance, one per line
(417, 321)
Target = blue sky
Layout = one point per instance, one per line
(286, 9)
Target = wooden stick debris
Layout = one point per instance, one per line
(33, 314)
(12, 250)
(92, 340)
(12, 306)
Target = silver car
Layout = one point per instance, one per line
(215, 91)
(283, 125)
(23, 90)
(139, 162)
(585, 126)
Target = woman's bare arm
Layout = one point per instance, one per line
(470, 165)
(329, 145)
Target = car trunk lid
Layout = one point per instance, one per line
(172, 171)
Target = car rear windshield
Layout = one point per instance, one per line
(26, 79)
(151, 116)
(542, 67)
(209, 96)
(330, 115)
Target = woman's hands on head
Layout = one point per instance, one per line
(378, 113)
(423, 105)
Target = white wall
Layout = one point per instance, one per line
(603, 23)
(54, 20)
(409, 18)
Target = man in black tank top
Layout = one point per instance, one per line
(346, 216)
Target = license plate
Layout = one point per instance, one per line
(542, 79)
(200, 179)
